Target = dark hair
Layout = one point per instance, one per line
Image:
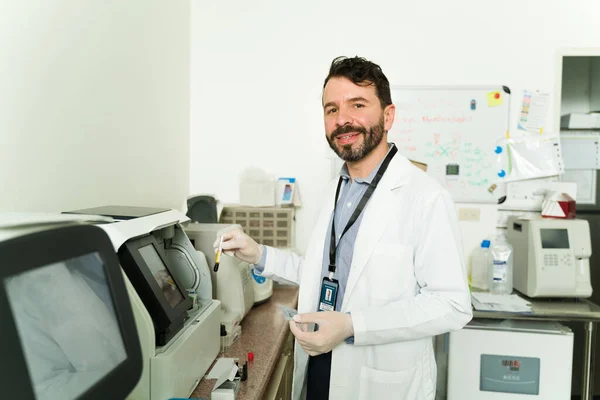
(364, 73)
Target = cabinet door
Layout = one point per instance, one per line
(277, 385)
(280, 384)
(289, 368)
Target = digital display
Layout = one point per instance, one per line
(67, 325)
(161, 274)
(555, 238)
(452, 169)
(513, 365)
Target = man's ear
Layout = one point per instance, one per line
(389, 113)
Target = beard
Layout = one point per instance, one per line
(371, 139)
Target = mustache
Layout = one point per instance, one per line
(342, 130)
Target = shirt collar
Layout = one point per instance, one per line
(346, 175)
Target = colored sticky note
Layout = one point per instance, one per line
(494, 99)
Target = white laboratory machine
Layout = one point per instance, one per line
(68, 327)
(235, 284)
(551, 256)
(510, 360)
(161, 265)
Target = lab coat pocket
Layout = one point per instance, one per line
(391, 272)
(376, 384)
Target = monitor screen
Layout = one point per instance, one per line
(161, 274)
(67, 325)
(555, 238)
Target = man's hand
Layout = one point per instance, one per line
(334, 327)
(237, 244)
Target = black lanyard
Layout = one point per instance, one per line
(359, 208)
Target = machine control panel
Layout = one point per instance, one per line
(510, 374)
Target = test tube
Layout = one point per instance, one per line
(218, 255)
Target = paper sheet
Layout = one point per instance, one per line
(534, 111)
(223, 370)
(494, 99)
(483, 301)
(221, 366)
(580, 150)
(530, 156)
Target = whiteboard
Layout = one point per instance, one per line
(454, 130)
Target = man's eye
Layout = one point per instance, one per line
(359, 105)
(331, 110)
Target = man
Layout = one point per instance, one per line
(392, 280)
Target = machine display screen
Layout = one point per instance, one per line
(452, 169)
(66, 319)
(161, 274)
(555, 238)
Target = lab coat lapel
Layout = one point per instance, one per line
(309, 289)
(378, 215)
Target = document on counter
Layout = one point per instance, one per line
(223, 366)
(484, 301)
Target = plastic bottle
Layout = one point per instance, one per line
(480, 261)
(500, 268)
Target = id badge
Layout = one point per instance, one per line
(329, 292)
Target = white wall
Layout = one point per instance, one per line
(258, 69)
(94, 103)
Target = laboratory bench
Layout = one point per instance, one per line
(265, 333)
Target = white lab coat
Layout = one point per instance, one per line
(69, 335)
(407, 283)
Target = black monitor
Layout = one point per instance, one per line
(163, 295)
(68, 329)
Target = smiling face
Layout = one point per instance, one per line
(355, 123)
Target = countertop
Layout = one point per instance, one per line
(264, 330)
(557, 309)
(550, 309)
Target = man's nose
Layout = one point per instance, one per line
(343, 118)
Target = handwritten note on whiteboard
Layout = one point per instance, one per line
(454, 131)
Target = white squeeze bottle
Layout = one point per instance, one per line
(480, 261)
(500, 270)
